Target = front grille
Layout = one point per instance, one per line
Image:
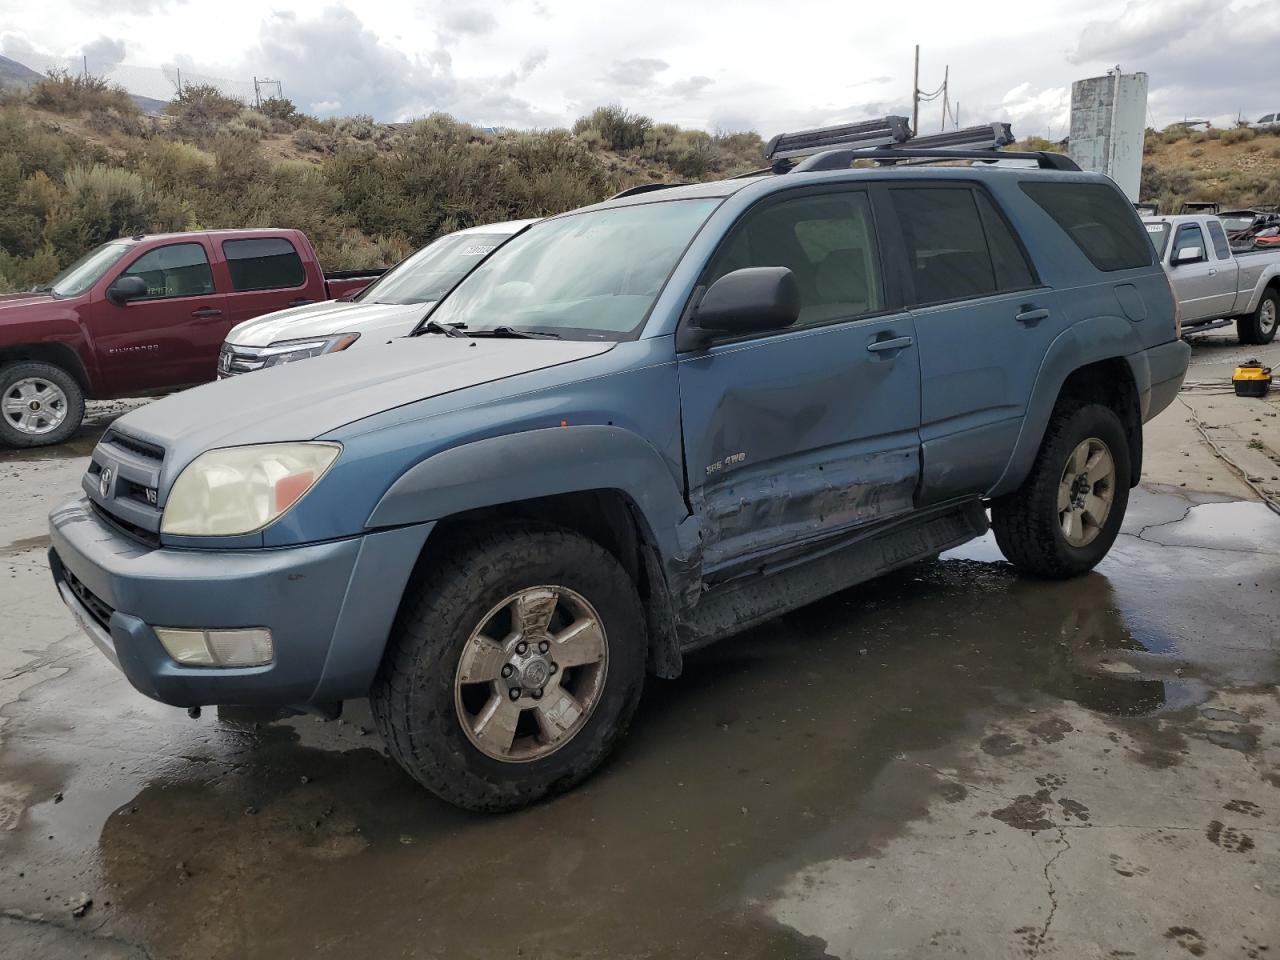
(233, 360)
(123, 483)
(131, 530)
(143, 449)
(98, 608)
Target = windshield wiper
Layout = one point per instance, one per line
(448, 329)
(511, 333)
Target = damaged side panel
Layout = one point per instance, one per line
(754, 516)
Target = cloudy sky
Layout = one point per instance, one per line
(716, 64)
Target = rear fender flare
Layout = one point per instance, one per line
(1083, 343)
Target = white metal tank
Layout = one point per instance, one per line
(1108, 122)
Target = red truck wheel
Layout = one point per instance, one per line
(40, 404)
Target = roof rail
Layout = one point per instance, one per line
(985, 136)
(840, 159)
(869, 133)
(645, 188)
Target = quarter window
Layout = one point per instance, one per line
(828, 243)
(176, 270)
(263, 263)
(1221, 248)
(958, 246)
(1097, 218)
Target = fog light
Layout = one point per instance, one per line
(250, 647)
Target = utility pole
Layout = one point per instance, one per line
(179, 69)
(915, 95)
(257, 96)
(946, 75)
(85, 61)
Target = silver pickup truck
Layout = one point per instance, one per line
(1215, 286)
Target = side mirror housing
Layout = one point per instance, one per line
(1188, 255)
(127, 288)
(750, 300)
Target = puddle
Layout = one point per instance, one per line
(761, 754)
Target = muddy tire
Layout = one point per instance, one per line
(1260, 326)
(1064, 518)
(490, 638)
(40, 404)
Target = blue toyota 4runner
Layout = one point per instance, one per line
(636, 428)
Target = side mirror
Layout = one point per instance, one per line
(126, 289)
(1188, 255)
(750, 300)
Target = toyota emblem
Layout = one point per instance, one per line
(104, 482)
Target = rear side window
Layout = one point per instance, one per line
(1099, 220)
(958, 245)
(176, 270)
(1221, 248)
(1013, 272)
(263, 263)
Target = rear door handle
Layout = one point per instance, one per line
(893, 343)
(1030, 314)
(204, 312)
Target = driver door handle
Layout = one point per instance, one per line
(893, 343)
(300, 302)
(204, 312)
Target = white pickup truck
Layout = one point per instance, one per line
(1214, 285)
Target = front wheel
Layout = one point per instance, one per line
(1063, 519)
(1260, 326)
(514, 667)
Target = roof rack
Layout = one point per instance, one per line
(869, 133)
(985, 136)
(840, 159)
(645, 188)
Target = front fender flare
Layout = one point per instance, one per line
(541, 463)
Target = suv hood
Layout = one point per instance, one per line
(301, 401)
(371, 320)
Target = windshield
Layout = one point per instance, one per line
(1237, 223)
(1159, 234)
(432, 272)
(84, 273)
(587, 276)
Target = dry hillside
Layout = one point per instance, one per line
(79, 164)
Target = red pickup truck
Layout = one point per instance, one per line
(144, 315)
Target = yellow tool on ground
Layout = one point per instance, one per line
(1251, 379)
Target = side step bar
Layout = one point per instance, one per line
(751, 600)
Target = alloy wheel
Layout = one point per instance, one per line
(1086, 491)
(34, 406)
(531, 674)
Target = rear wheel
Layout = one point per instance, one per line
(514, 667)
(1260, 326)
(40, 404)
(1063, 519)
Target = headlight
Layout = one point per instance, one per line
(287, 351)
(235, 490)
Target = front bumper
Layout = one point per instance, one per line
(329, 607)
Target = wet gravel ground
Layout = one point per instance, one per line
(951, 761)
